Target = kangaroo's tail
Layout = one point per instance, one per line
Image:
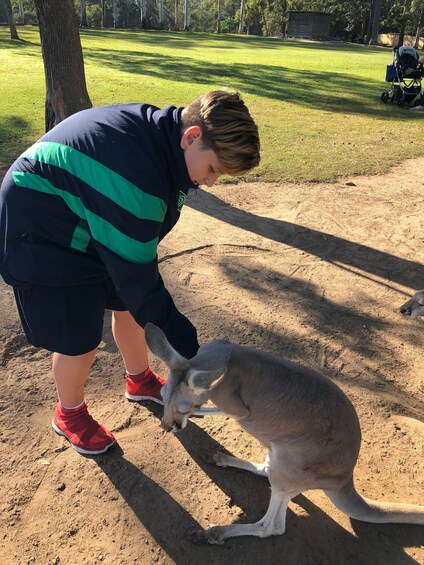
(349, 501)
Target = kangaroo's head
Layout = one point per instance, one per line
(189, 381)
(415, 306)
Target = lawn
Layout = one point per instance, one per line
(317, 105)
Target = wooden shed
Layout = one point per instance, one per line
(311, 25)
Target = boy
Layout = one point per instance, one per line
(81, 214)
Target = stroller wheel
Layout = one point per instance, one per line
(400, 103)
(385, 96)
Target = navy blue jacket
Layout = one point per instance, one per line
(91, 200)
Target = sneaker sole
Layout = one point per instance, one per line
(134, 398)
(80, 449)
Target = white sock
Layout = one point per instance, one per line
(136, 374)
(72, 407)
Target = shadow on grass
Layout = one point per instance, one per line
(320, 88)
(16, 44)
(12, 130)
(226, 41)
(338, 92)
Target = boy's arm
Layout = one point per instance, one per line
(141, 288)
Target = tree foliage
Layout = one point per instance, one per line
(351, 20)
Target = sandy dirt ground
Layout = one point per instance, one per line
(314, 273)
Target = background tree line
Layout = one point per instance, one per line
(353, 20)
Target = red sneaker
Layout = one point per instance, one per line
(144, 386)
(81, 430)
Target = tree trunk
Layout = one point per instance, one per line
(370, 20)
(218, 18)
(262, 9)
(419, 30)
(66, 90)
(364, 25)
(161, 16)
(284, 15)
(405, 11)
(83, 22)
(177, 7)
(242, 9)
(143, 14)
(21, 12)
(115, 13)
(104, 18)
(12, 27)
(186, 15)
(375, 22)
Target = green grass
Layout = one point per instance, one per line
(317, 106)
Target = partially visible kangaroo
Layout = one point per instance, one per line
(414, 307)
(308, 424)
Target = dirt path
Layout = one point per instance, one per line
(311, 272)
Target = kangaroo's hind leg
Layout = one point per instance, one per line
(224, 460)
(273, 523)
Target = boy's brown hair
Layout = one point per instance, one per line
(227, 128)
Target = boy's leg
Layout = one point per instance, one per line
(68, 321)
(70, 375)
(142, 383)
(129, 338)
(71, 418)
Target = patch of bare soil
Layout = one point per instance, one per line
(315, 273)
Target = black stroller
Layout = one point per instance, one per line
(405, 75)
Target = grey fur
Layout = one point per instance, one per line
(414, 307)
(306, 422)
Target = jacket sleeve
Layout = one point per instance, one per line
(141, 288)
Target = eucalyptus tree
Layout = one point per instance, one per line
(186, 16)
(242, 13)
(83, 17)
(66, 90)
(104, 16)
(419, 24)
(161, 15)
(11, 20)
(115, 12)
(176, 18)
(143, 14)
(405, 15)
(21, 12)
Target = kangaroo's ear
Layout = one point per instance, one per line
(203, 380)
(160, 346)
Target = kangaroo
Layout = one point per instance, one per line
(414, 307)
(306, 422)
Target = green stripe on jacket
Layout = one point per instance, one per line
(101, 230)
(102, 179)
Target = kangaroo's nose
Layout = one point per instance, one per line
(165, 426)
(405, 311)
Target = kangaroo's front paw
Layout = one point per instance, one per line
(205, 536)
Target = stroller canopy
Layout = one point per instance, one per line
(407, 57)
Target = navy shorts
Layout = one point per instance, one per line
(67, 320)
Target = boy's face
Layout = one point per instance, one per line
(202, 163)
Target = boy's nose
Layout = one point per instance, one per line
(211, 179)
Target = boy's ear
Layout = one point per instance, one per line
(191, 134)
